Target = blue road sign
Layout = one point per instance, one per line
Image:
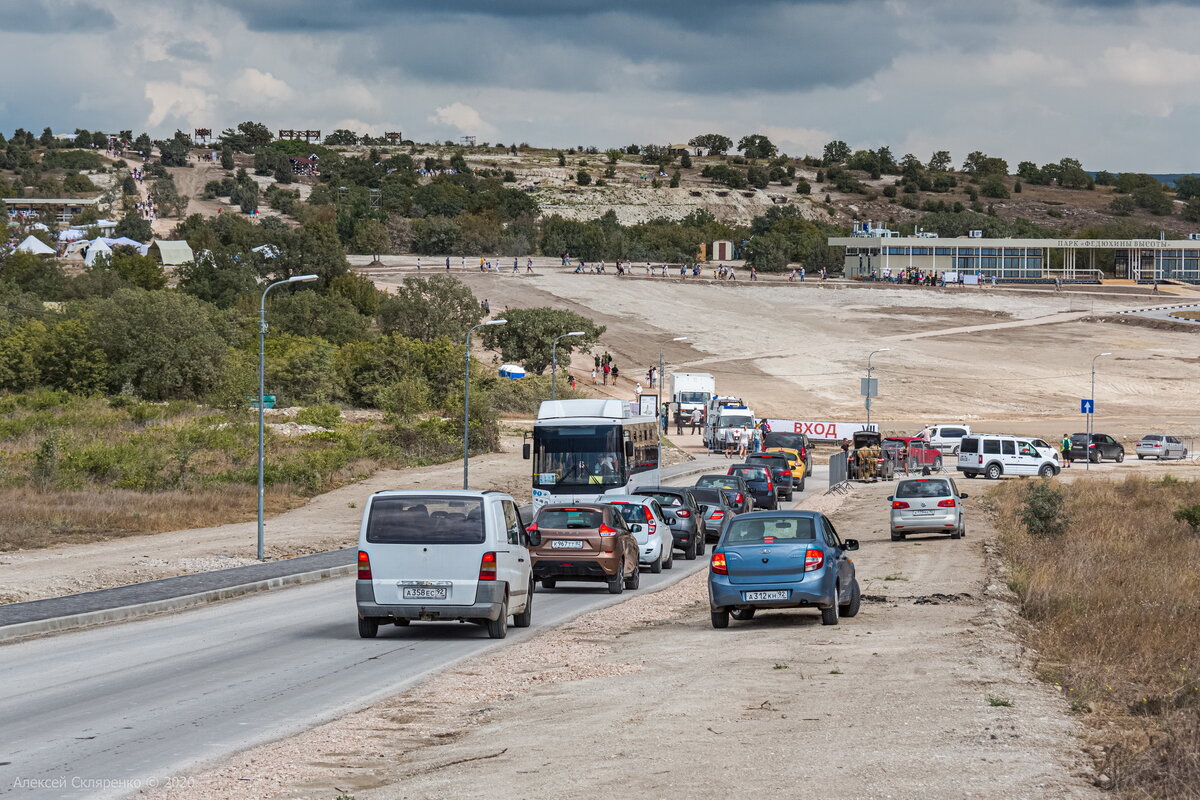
(1086, 406)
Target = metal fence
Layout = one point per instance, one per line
(839, 469)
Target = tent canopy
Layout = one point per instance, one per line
(34, 245)
(512, 371)
(98, 248)
(172, 253)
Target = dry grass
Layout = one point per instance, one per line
(1116, 621)
(34, 519)
(1187, 314)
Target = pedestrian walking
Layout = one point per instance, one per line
(529, 265)
(696, 417)
(615, 374)
(573, 383)
(637, 390)
(607, 370)
(802, 274)
(418, 264)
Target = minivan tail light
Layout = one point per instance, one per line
(899, 504)
(487, 567)
(718, 564)
(364, 566)
(605, 530)
(813, 560)
(947, 503)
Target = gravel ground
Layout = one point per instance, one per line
(645, 699)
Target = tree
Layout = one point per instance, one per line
(174, 151)
(993, 186)
(940, 161)
(168, 198)
(218, 277)
(1191, 212)
(715, 143)
(685, 160)
(143, 146)
(226, 157)
(980, 164)
(137, 270)
(255, 134)
(527, 336)
(836, 152)
(1187, 187)
(1154, 200)
(47, 137)
(426, 308)
(341, 137)
(134, 227)
(370, 237)
(757, 146)
(1122, 205)
(164, 345)
(307, 312)
(583, 178)
(675, 179)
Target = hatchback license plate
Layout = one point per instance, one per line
(423, 593)
(923, 513)
(777, 594)
(566, 544)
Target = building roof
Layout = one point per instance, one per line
(173, 253)
(52, 201)
(966, 241)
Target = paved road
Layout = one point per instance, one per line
(145, 700)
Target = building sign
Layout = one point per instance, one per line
(1119, 244)
(819, 430)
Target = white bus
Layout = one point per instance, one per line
(585, 449)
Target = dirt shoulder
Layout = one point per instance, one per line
(645, 699)
(327, 522)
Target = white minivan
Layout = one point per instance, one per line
(945, 437)
(993, 455)
(443, 555)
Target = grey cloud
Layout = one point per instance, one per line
(59, 16)
(189, 49)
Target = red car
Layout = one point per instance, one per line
(920, 452)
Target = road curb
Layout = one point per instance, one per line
(89, 619)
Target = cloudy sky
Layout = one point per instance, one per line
(1111, 82)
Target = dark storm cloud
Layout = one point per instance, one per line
(55, 16)
(706, 46)
(189, 50)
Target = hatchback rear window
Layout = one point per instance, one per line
(717, 481)
(567, 518)
(934, 488)
(752, 473)
(754, 531)
(664, 498)
(429, 519)
(969, 445)
(632, 513)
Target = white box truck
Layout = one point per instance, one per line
(691, 391)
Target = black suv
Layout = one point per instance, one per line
(781, 470)
(685, 511)
(1102, 446)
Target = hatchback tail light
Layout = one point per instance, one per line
(487, 567)
(947, 503)
(718, 564)
(899, 504)
(364, 566)
(717, 515)
(683, 512)
(813, 560)
(605, 530)
(787, 473)
(770, 486)
(651, 525)
(533, 528)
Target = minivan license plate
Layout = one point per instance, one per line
(423, 593)
(778, 594)
(566, 544)
(923, 513)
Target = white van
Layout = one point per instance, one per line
(945, 437)
(993, 455)
(443, 555)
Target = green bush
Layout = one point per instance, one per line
(1190, 515)
(1042, 513)
(326, 415)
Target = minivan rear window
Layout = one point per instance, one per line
(923, 488)
(566, 518)
(969, 445)
(419, 519)
(759, 531)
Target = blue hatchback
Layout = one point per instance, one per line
(781, 559)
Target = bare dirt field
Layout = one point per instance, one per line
(926, 693)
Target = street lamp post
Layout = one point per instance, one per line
(554, 362)
(1087, 453)
(661, 430)
(262, 361)
(881, 350)
(467, 397)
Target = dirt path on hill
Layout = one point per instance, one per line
(645, 699)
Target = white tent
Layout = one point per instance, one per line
(34, 245)
(267, 250)
(512, 371)
(71, 235)
(98, 248)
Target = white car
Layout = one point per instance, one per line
(945, 437)
(993, 455)
(443, 555)
(1160, 446)
(648, 523)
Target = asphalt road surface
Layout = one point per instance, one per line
(103, 712)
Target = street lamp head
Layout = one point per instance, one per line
(884, 350)
(679, 339)
(496, 322)
(302, 278)
(575, 333)
(1103, 354)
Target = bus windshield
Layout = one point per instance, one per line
(578, 455)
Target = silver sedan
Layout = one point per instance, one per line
(927, 505)
(1160, 446)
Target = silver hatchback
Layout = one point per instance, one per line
(1160, 446)
(927, 505)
